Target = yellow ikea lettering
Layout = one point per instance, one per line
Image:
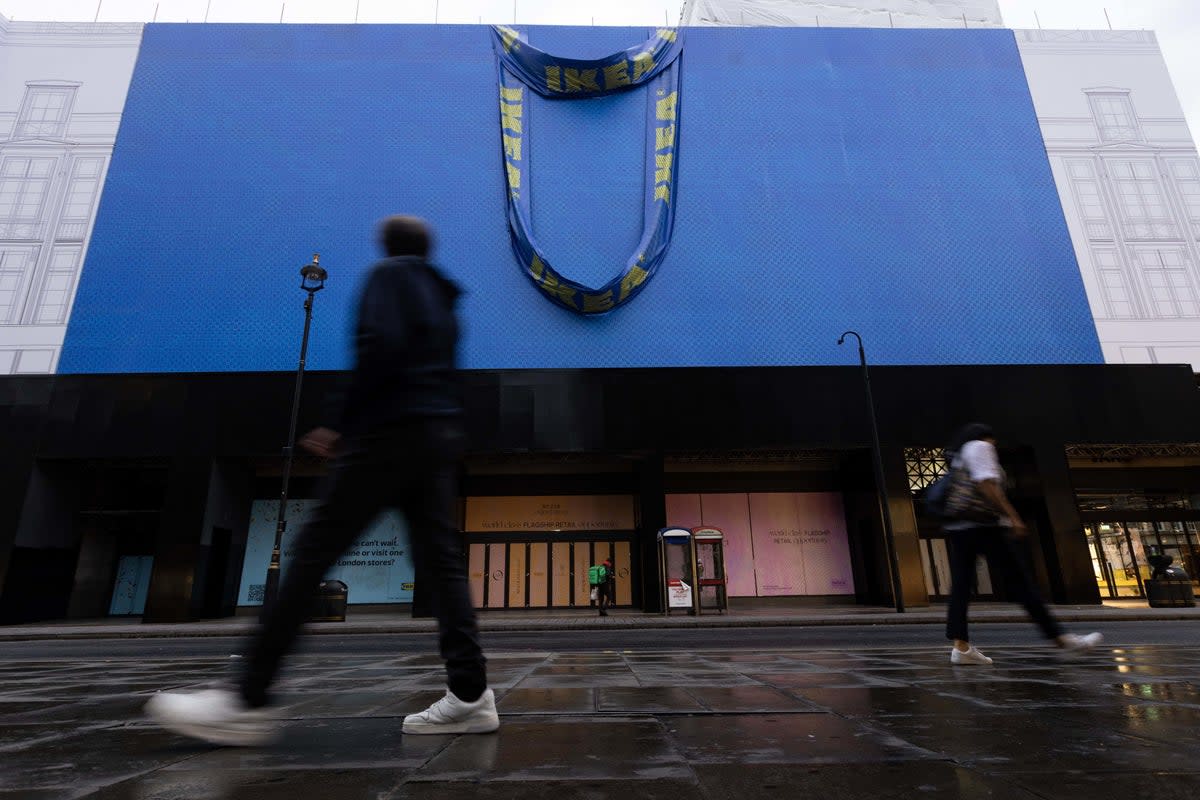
(593, 303)
(662, 163)
(537, 266)
(642, 63)
(512, 147)
(554, 79)
(616, 75)
(579, 80)
(514, 177)
(664, 137)
(510, 38)
(663, 192)
(510, 117)
(667, 35)
(512, 95)
(634, 279)
(552, 287)
(665, 108)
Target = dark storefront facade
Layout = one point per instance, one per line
(135, 493)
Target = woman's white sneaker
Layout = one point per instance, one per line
(218, 716)
(970, 657)
(451, 715)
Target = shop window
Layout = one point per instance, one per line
(1117, 298)
(776, 543)
(1144, 211)
(82, 189)
(1115, 118)
(24, 187)
(58, 286)
(45, 111)
(1172, 292)
(1089, 197)
(1187, 177)
(16, 264)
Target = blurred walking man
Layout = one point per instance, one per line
(397, 446)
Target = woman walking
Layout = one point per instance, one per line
(982, 521)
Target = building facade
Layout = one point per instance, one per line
(1126, 165)
(139, 479)
(845, 13)
(62, 90)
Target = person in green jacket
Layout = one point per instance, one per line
(607, 594)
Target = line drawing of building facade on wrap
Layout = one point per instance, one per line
(62, 93)
(1127, 169)
(845, 13)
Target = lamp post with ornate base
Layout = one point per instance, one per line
(313, 280)
(889, 538)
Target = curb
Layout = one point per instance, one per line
(650, 622)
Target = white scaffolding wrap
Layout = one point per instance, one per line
(845, 13)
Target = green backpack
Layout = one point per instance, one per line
(597, 575)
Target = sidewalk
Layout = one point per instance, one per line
(850, 723)
(376, 622)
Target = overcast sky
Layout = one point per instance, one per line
(1176, 21)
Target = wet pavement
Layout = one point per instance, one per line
(893, 722)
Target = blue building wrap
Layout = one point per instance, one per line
(891, 181)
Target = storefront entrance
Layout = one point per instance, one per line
(1123, 530)
(545, 574)
(535, 551)
(1120, 552)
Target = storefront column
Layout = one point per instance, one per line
(15, 474)
(1068, 562)
(904, 528)
(652, 517)
(21, 410)
(177, 549)
(38, 543)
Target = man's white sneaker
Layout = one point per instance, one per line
(971, 657)
(1074, 643)
(451, 715)
(218, 716)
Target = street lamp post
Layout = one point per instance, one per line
(889, 538)
(313, 277)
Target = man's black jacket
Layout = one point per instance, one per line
(405, 345)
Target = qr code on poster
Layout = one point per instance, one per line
(258, 591)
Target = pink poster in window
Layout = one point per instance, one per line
(822, 522)
(778, 549)
(800, 545)
(730, 513)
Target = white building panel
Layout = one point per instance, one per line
(1127, 169)
(62, 91)
(845, 13)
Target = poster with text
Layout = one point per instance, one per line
(378, 567)
(800, 544)
(729, 513)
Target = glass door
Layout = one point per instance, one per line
(1176, 539)
(1117, 558)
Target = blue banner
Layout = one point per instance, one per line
(655, 64)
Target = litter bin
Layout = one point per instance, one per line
(330, 604)
(1168, 587)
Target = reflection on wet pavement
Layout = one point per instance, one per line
(868, 723)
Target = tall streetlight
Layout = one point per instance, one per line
(313, 277)
(889, 538)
